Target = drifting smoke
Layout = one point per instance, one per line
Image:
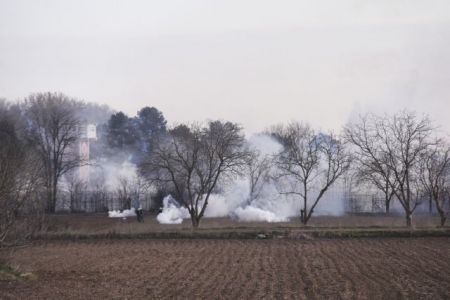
(172, 212)
(117, 173)
(269, 206)
(251, 213)
(122, 214)
(120, 180)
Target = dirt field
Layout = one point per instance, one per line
(233, 269)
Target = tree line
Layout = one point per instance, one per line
(401, 155)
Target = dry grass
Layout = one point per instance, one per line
(100, 226)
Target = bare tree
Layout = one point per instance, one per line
(77, 189)
(392, 146)
(99, 193)
(19, 184)
(130, 190)
(190, 160)
(405, 138)
(123, 193)
(308, 161)
(369, 164)
(258, 170)
(53, 128)
(434, 174)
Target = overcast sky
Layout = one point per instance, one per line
(253, 62)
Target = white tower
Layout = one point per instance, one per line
(88, 132)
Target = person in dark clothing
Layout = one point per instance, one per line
(138, 210)
(140, 214)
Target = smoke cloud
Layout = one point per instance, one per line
(122, 214)
(269, 206)
(172, 212)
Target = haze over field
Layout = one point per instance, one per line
(251, 62)
(221, 148)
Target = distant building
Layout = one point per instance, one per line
(88, 132)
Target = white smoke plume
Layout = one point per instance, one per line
(172, 212)
(121, 180)
(254, 214)
(117, 172)
(269, 206)
(122, 214)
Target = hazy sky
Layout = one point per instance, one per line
(254, 62)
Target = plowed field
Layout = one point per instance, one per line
(233, 269)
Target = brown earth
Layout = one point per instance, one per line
(233, 269)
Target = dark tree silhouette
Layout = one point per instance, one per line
(151, 124)
(308, 161)
(392, 146)
(190, 160)
(53, 128)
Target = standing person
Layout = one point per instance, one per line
(140, 214)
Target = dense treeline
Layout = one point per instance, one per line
(40, 153)
(401, 156)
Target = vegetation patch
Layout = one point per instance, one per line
(7, 273)
(255, 234)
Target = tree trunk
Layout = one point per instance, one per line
(54, 191)
(48, 206)
(303, 212)
(408, 220)
(51, 197)
(307, 217)
(441, 211)
(195, 222)
(388, 206)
